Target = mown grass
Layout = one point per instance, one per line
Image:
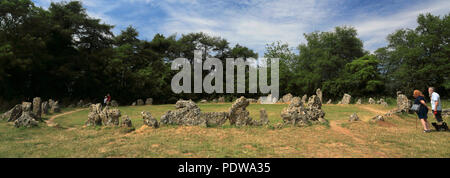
(397, 137)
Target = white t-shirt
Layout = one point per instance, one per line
(435, 97)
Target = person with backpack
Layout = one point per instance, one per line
(421, 108)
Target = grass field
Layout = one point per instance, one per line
(396, 137)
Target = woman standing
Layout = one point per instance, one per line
(423, 110)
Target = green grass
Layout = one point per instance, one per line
(397, 137)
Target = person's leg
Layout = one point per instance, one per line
(438, 117)
(425, 124)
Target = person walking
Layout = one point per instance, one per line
(436, 108)
(108, 100)
(422, 111)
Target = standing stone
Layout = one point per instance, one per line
(149, 101)
(55, 107)
(140, 102)
(45, 107)
(319, 94)
(353, 117)
(251, 100)
(27, 119)
(371, 101)
(13, 114)
(221, 99)
(346, 99)
(94, 115)
(37, 110)
(149, 120)
(187, 113)
(403, 103)
(304, 98)
(377, 118)
(80, 104)
(329, 101)
(359, 101)
(269, 99)
(296, 114)
(133, 104)
(110, 117)
(239, 116)
(263, 117)
(50, 103)
(204, 101)
(126, 122)
(385, 104)
(214, 118)
(287, 98)
(114, 103)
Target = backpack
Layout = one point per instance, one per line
(443, 127)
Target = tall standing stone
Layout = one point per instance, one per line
(37, 110)
(55, 107)
(149, 101)
(140, 102)
(403, 103)
(319, 94)
(304, 98)
(44, 107)
(371, 101)
(346, 99)
(359, 101)
(287, 98)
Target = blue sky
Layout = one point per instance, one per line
(255, 23)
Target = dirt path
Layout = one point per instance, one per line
(374, 110)
(51, 123)
(335, 127)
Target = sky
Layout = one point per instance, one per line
(256, 23)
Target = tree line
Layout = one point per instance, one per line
(62, 53)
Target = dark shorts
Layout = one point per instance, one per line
(438, 116)
(422, 115)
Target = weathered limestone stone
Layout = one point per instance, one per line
(114, 103)
(445, 112)
(371, 101)
(149, 101)
(45, 107)
(304, 98)
(353, 117)
(37, 110)
(287, 98)
(269, 99)
(214, 118)
(149, 120)
(55, 107)
(377, 118)
(251, 100)
(263, 117)
(186, 113)
(380, 101)
(13, 114)
(221, 99)
(359, 101)
(140, 102)
(385, 104)
(296, 114)
(80, 104)
(214, 100)
(346, 99)
(403, 103)
(126, 122)
(110, 117)
(27, 119)
(204, 101)
(50, 103)
(94, 115)
(329, 101)
(239, 116)
(319, 94)
(133, 104)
